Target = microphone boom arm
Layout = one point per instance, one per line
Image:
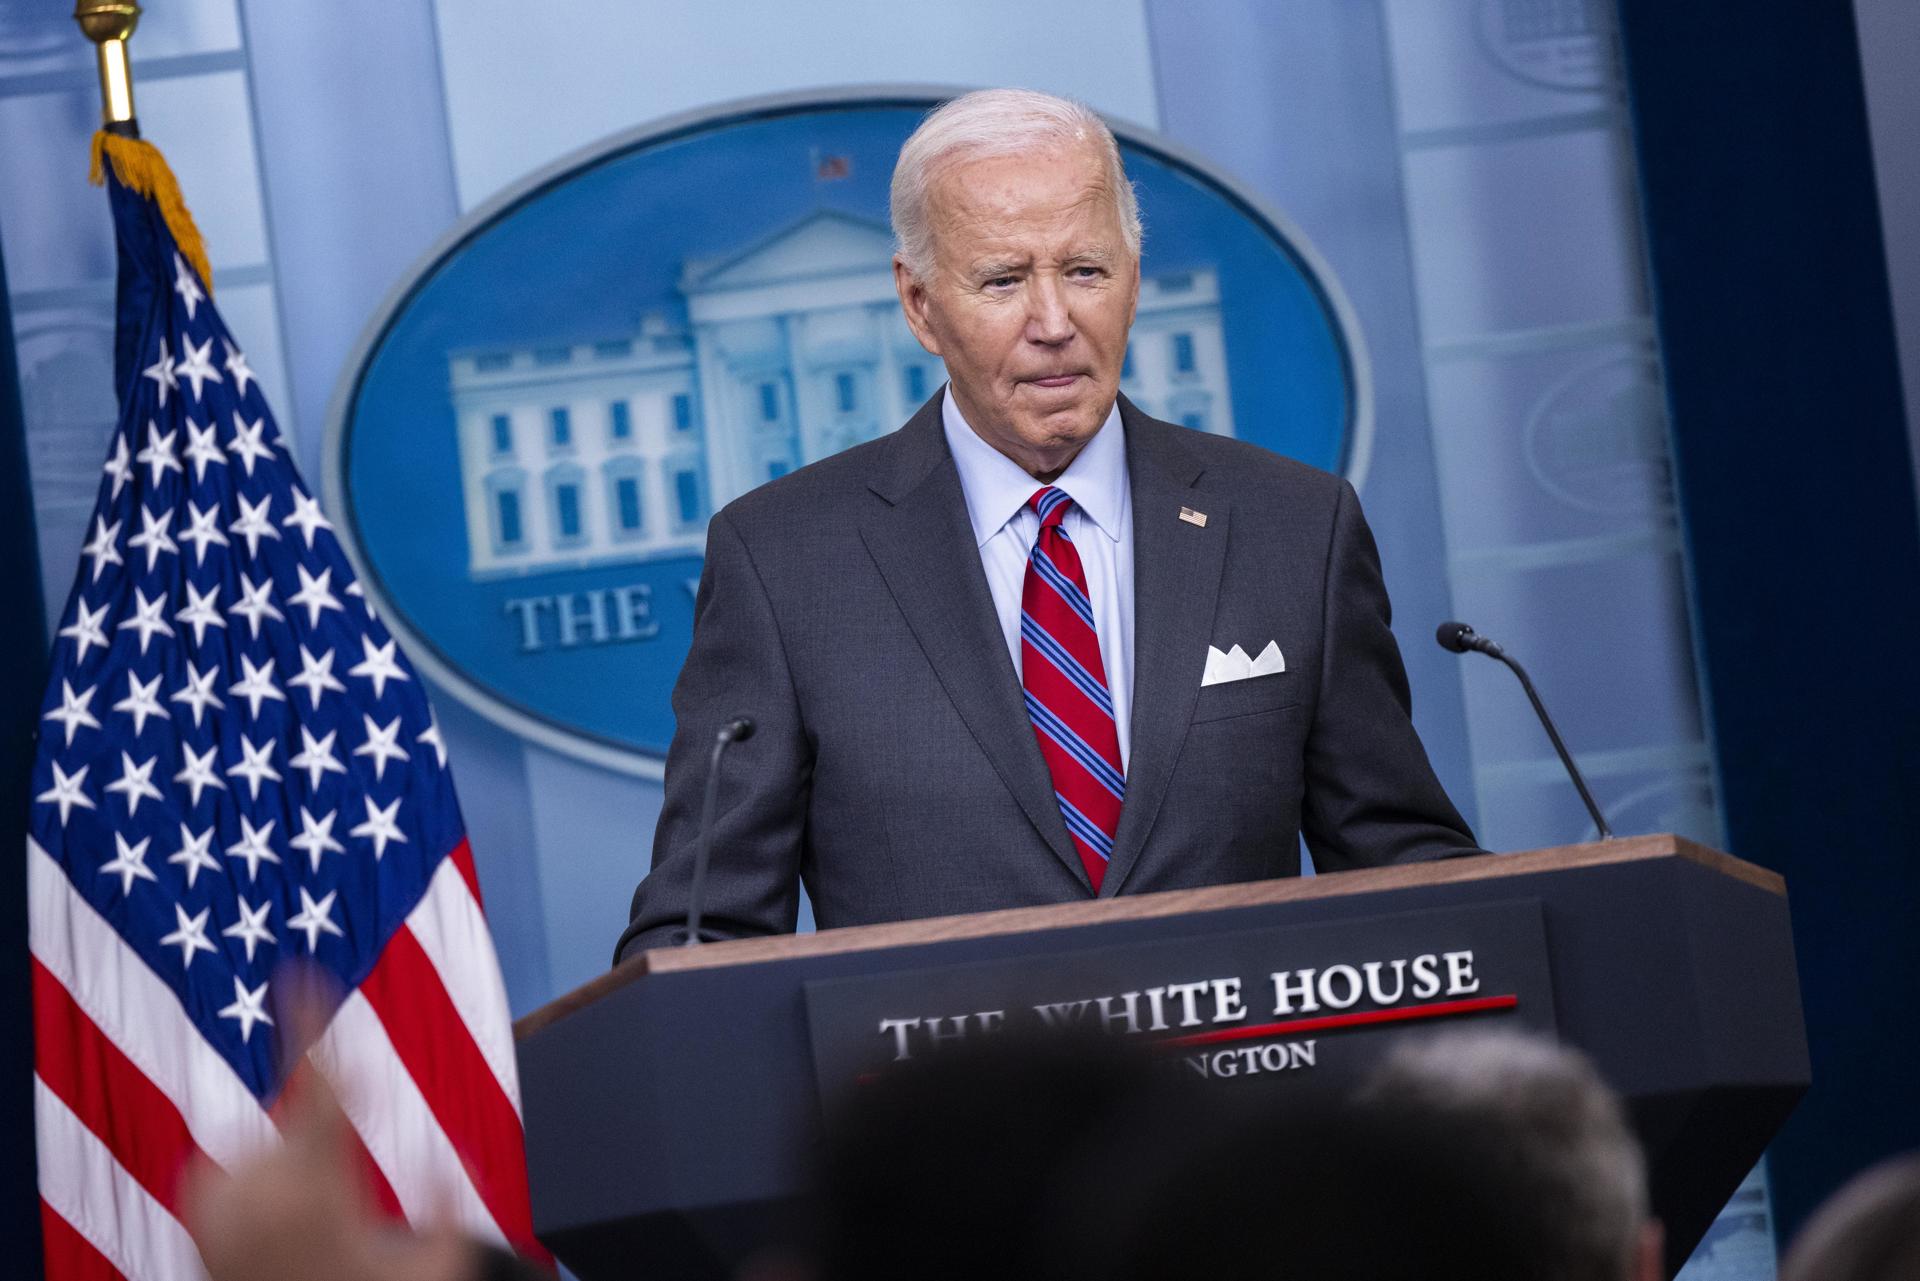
(734, 731)
(1566, 757)
(1460, 638)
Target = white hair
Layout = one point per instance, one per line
(996, 122)
(1558, 1124)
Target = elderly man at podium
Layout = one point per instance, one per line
(1034, 646)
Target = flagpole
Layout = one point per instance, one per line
(109, 24)
(136, 165)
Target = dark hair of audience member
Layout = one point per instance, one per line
(1304, 1187)
(946, 1167)
(1072, 1162)
(1867, 1231)
(1556, 1132)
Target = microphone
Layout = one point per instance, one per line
(1461, 638)
(738, 730)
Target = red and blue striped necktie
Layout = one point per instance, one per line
(1066, 686)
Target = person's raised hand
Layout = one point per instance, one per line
(301, 1211)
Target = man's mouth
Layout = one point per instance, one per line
(1055, 380)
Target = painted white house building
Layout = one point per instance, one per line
(583, 453)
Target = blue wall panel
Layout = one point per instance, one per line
(1797, 500)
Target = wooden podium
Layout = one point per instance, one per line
(671, 1105)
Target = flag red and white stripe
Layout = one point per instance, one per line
(127, 1093)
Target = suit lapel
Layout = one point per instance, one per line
(923, 544)
(1176, 587)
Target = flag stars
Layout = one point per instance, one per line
(162, 373)
(195, 854)
(101, 549)
(317, 758)
(86, 631)
(135, 782)
(306, 515)
(203, 528)
(153, 536)
(129, 864)
(236, 366)
(66, 791)
(251, 929)
(198, 368)
(189, 935)
(382, 745)
(315, 595)
(315, 919)
(256, 767)
(198, 693)
(201, 612)
(378, 666)
(254, 523)
(146, 617)
(198, 775)
(74, 711)
(380, 827)
(141, 702)
(316, 836)
(254, 846)
(246, 444)
(431, 737)
(257, 687)
(248, 1008)
(203, 449)
(256, 604)
(316, 676)
(119, 465)
(159, 454)
(243, 566)
(187, 285)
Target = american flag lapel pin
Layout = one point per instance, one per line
(1193, 517)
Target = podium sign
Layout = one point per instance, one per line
(1274, 1001)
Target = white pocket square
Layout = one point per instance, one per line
(1234, 665)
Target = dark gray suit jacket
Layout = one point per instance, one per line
(894, 769)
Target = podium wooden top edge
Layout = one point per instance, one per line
(1021, 920)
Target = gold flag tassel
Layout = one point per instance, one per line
(139, 167)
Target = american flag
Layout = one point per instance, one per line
(237, 768)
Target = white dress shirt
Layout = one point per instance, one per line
(1100, 523)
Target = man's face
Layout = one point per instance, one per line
(1028, 300)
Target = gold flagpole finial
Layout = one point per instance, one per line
(138, 166)
(109, 24)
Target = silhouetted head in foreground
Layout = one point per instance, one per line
(1868, 1231)
(1548, 1131)
(950, 1167)
(1471, 1158)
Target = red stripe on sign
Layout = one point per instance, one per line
(439, 1053)
(129, 1114)
(1362, 1018)
(462, 857)
(68, 1255)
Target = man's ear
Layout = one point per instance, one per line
(913, 302)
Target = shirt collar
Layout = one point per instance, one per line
(997, 488)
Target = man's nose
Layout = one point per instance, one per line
(1049, 320)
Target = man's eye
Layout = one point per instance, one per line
(1000, 282)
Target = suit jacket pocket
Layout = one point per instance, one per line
(1246, 697)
